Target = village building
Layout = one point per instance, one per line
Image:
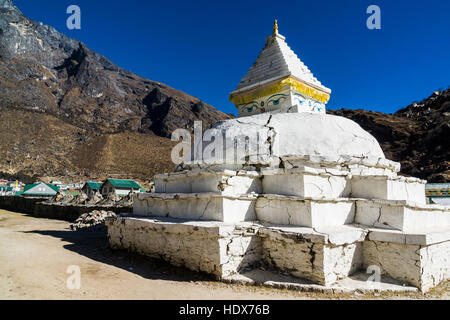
(40, 190)
(6, 191)
(10, 188)
(122, 188)
(90, 188)
(438, 193)
(313, 196)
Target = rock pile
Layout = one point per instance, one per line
(92, 222)
(61, 197)
(126, 201)
(111, 200)
(95, 200)
(82, 198)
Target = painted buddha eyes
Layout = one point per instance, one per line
(276, 99)
(312, 105)
(262, 106)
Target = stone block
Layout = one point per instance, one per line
(205, 206)
(401, 215)
(386, 188)
(203, 181)
(306, 184)
(422, 266)
(309, 255)
(297, 211)
(217, 249)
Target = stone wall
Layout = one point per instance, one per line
(321, 257)
(19, 204)
(223, 250)
(312, 256)
(201, 246)
(37, 208)
(424, 266)
(71, 213)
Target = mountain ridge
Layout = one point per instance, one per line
(52, 84)
(44, 70)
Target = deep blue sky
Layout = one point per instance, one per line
(205, 47)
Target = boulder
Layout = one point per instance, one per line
(92, 222)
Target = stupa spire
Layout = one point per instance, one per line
(275, 28)
(279, 82)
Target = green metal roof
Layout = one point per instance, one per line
(53, 187)
(126, 184)
(31, 186)
(94, 185)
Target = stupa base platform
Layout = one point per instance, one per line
(292, 210)
(325, 257)
(356, 283)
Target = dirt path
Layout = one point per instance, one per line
(35, 255)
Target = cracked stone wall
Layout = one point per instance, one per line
(301, 258)
(240, 251)
(300, 212)
(186, 247)
(203, 206)
(435, 264)
(227, 182)
(342, 261)
(401, 262)
(401, 215)
(215, 250)
(309, 258)
(224, 251)
(421, 266)
(320, 257)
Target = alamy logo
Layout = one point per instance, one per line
(374, 21)
(74, 280)
(74, 20)
(375, 274)
(221, 146)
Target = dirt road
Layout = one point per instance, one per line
(36, 253)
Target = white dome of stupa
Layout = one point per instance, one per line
(284, 135)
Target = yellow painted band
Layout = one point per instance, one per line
(244, 98)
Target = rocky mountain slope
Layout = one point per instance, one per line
(418, 136)
(60, 83)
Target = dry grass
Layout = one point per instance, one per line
(36, 145)
(128, 155)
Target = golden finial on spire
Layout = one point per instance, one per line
(275, 28)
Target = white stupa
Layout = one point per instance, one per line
(285, 185)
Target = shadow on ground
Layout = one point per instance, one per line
(95, 246)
